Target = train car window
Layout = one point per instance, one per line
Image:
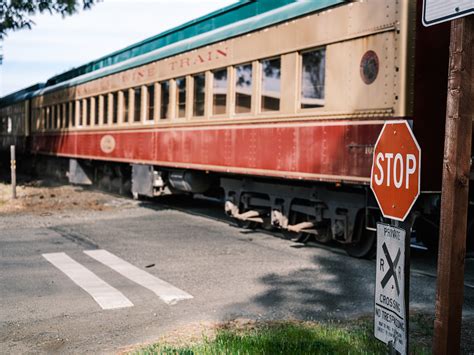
(54, 117)
(115, 105)
(73, 114)
(243, 88)
(44, 118)
(62, 116)
(312, 78)
(165, 100)
(95, 102)
(219, 92)
(79, 113)
(67, 112)
(137, 104)
(271, 81)
(150, 98)
(47, 118)
(181, 97)
(199, 81)
(85, 113)
(126, 104)
(90, 116)
(105, 110)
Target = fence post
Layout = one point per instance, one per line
(13, 170)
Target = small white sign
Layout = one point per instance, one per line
(437, 11)
(390, 309)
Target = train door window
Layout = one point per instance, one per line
(181, 97)
(165, 100)
(271, 81)
(199, 83)
(312, 78)
(219, 92)
(137, 104)
(150, 102)
(243, 88)
(115, 105)
(126, 104)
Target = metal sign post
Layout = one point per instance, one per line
(395, 182)
(392, 283)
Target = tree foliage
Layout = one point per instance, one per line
(16, 14)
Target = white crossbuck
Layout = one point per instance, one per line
(105, 295)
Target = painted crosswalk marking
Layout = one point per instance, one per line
(105, 295)
(167, 292)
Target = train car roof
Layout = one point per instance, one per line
(242, 17)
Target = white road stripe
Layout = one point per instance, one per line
(162, 289)
(105, 295)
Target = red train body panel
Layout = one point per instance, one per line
(331, 151)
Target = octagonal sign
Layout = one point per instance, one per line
(396, 166)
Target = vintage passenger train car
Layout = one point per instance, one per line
(276, 104)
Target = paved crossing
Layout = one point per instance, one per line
(104, 294)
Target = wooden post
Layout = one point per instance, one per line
(13, 170)
(454, 200)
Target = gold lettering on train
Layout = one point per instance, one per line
(196, 59)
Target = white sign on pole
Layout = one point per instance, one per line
(390, 323)
(437, 11)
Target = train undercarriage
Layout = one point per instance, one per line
(302, 211)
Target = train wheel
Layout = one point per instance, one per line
(365, 247)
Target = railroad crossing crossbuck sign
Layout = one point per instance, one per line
(390, 323)
(395, 178)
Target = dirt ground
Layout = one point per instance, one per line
(45, 197)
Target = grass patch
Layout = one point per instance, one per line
(354, 337)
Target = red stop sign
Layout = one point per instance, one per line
(395, 177)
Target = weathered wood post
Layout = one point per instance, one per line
(454, 199)
(13, 170)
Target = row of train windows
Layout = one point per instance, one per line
(139, 104)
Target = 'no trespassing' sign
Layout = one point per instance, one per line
(390, 309)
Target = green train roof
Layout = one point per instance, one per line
(242, 17)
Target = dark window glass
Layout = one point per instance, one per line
(115, 105)
(49, 120)
(96, 110)
(165, 99)
(271, 78)
(199, 94)
(106, 110)
(67, 107)
(219, 92)
(73, 114)
(243, 88)
(62, 116)
(79, 113)
(181, 97)
(53, 116)
(312, 78)
(137, 104)
(125, 106)
(90, 112)
(150, 102)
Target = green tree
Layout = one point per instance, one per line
(16, 14)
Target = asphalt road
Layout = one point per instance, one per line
(230, 273)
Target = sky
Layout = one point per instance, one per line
(56, 44)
